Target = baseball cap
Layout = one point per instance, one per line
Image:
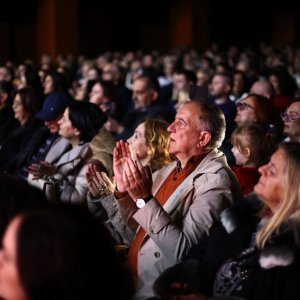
(54, 105)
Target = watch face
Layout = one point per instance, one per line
(140, 203)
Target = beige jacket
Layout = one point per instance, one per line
(186, 217)
(102, 146)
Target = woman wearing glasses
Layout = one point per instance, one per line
(255, 109)
(291, 119)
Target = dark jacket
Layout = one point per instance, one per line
(8, 123)
(272, 273)
(15, 143)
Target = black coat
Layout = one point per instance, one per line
(15, 143)
(8, 123)
(279, 282)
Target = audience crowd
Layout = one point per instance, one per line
(147, 175)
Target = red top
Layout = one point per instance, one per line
(247, 177)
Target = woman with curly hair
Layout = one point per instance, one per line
(150, 143)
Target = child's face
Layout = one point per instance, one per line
(240, 158)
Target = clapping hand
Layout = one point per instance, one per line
(137, 179)
(98, 182)
(40, 170)
(121, 154)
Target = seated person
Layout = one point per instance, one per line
(80, 123)
(150, 143)
(252, 147)
(249, 256)
(61, 253)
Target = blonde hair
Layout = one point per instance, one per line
(254, 137)
(291, 198)
(157, 139)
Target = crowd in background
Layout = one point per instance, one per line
(91, 132)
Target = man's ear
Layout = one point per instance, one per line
(154, 95)
(204, 139)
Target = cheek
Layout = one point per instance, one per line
(139, 148)
(10, 286)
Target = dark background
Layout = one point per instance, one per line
(132, 25)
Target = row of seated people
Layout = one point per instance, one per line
(188, 202)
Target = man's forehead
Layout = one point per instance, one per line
(139, 84)
(189, 109)
(294, 107)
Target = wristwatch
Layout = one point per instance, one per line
(141, 202)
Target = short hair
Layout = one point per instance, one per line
(189, 75)
(158, 139)
(64, 253)
(291, 197)
(151, 82)
(227, 75)
(87, 117)
(257, 139)
(212, 119)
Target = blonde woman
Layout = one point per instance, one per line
(150, 143)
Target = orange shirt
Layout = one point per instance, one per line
(172, 182)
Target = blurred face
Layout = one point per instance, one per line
(20, 113)
(180, 82)
(245, 112)
(184, 131)
(240, 158)
(202, 78)
(219, 86)
(270, 186)
(108, 73)
(275, 82)
(92, 74)
(10, 285)
(53, 125)
(97, 94)
(142, 96)
(291, 121)
(238, 83)
(137, 142)
(66, 128)
(48, 85)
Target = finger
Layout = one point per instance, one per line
(93, 170)
(99, 179)
(96, 181)
(140, 167)
(106, 179)
(128, 150)
(132, 170)
(126, 178)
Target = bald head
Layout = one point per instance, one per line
(263, 88)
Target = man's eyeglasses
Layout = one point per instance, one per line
(288, 118)
(243, 105)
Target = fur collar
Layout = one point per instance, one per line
(238, 215)
(284, 246)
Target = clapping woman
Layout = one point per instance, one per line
(150, 142)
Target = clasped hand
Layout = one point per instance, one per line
(40, 170)
(130, 175)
